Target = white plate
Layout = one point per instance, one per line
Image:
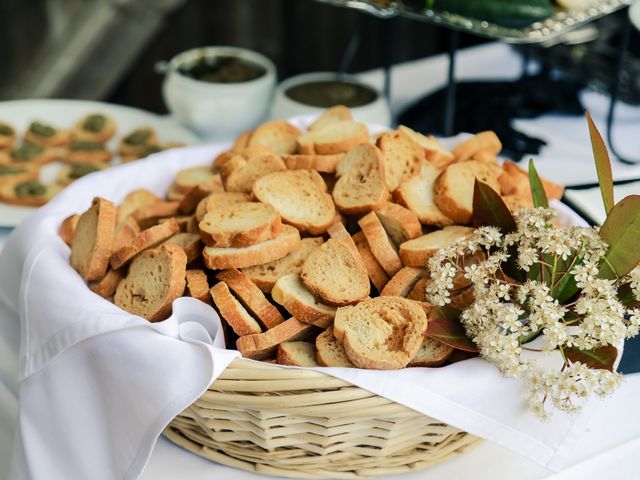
(64, 114)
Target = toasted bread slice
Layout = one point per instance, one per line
(400, 223)
(241, 142)
(330, 352)
(417, 195)
(149, 238)
(382, 333)
(290, 292)
(148, 215)
(240, 172)
(68, 228)
(454, 188)
(173, 194)
(403, 282)
(339, 232)
(189, 202)
(265, 276)
(14, 172)
(401, 155)
(191, 177)
(335, 114)
(376, 273)
(516, 202)
(299, 354)
(286, 242)
(361, 186)
(183, 222)
(432, 353)
(251, 297)
(336, 137)
(198, 286)
(219, 199)
(94, 127)
(486, 156)
(335, 274)
(135, 200)
(419, 290)
(30, 193)
(93, 240)
(124, 233)
(416, 252)
(70, 173)
(515, 181)
(232, 311)
(300, 197)
(278, 136)
(107, 285)
(434, 153)
(264, 345)
(319, 163)
(484, 141)
(189, 242)
(47, 135)
(155, 279)
(381, 246)
(240, 225)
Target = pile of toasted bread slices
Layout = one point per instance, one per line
(312, 246)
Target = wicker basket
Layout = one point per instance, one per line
(305, 424)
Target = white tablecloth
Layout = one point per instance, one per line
(613, 436)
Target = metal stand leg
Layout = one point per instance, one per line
(450, 106)
(624, 45)
(387, 42)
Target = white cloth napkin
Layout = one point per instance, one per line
(98, 385)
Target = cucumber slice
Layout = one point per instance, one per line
(508, 13)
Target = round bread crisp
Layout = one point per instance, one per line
(36, 196)
(217, 258)
(240, 225)
(300, 196)
(330, 352)
(218, 199)
(382, 333)
(156, 278)
(93, 240)
(333, 273)
(95, 127)
(149, 238)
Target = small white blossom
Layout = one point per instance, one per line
(505, 311)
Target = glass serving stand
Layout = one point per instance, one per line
(556, 29)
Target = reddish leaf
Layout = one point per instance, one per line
(444, 326)
(601, 358)
(460, 356)
(490, 210)
(603, 164)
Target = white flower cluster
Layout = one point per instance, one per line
(505, 314)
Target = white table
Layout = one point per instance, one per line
(609, 446)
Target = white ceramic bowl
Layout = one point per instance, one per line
(285, 107)
(218, 111)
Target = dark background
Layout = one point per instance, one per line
(298, 35)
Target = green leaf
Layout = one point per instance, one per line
(627, 297)
(601, 358)
(621, 231)
(490, 210)
(530, 337)
(603, 164)
(537, 190)
(444, 326)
